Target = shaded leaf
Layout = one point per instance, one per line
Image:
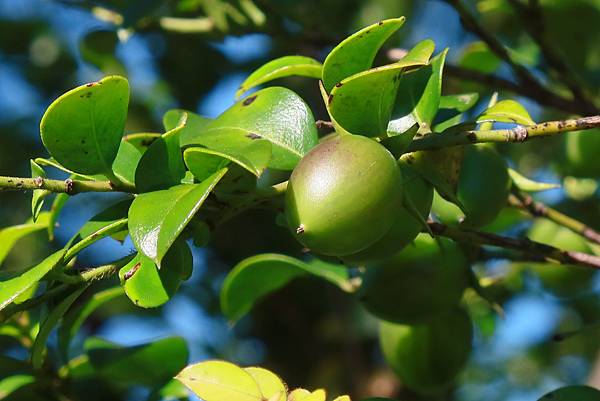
(477, 56)
(460, 103)
(259, 275)
(220, 381)
(357, 52)
(528, 185)
(282, 67)
(10, 384)
(362, 103)
(39, 345)
(126, 162)
(275, 114)
(82, 129)
(141, 140)
(161, 166)
(10, 235)
(147, 286)
(157, 218)
(194, 124)
(507, 111)
(11, 289)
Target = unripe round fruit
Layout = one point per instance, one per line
(573, 393)
(405, 227)
(342, 196)
(581, 151)
(483, 185)
(561, 280)
(423, 281)
(427, 358)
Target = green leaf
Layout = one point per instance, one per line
(72, 321)
(507, 111)
(11, 289)
(269, 383)
(105, 218)
(10, 384)
(147, 286)
(276, 114)
(38, 196)
(10, 235)
(57, 205)
(220, 381)
(357, 52)
(162, 166)
(362, 104)
(82, 129)
(282, 67)
(126, 162)
(420, 92)
(141, 140)
(150, 364)
(204, 162)
(195, 123)
(259, 275)
(157, 218)
(477, 56)
(53, 163)
(528, 185)
(173, 390)
(460, 103)
(39, 345)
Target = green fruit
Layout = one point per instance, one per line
(562, 280)
(483, 185)
(405, 227)
(423, 281)
(427, 358)
(573, 393)
(343, 194)
(581, 151)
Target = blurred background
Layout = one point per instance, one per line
(193, 54)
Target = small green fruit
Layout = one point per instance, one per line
(573, 393)
(581, 151)
(343, 194)
(484, 184)
(423, 281)
(405, 227)
(561, 280)
(427, 358)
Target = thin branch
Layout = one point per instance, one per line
(68, 186)
(538, 209)
(535, 249)
(518, 134)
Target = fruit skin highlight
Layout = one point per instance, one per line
(405, 227)
(342, 196)
(426, 279)
(427, 358)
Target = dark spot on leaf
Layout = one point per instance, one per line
(83, 141)
(88, 95)
(472, 137)
(90, 84)
(249, 100)
(252, 135)
(338, 84)
(329, 99)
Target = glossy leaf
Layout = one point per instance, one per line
(162, 166)
(194, 124)
(39, 345)
(528, 185)
(157, 218)
(82, 129)
(507, 111)
(259, 275)
(362, 104)
(279, 68)
(72, 321)
(38, 196)
(144, 364)
(10, 235)
(357, 52)
(204, 162)
(269, 383)
(220, 381)
(149, 287)
(275, 114)
(126, 162)
(12, 288)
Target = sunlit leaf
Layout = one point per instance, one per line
(507, 111)
(282, 67)
(528, 185)
(357, 52)
(82, 129)
(220, 381)
(269, 383)
(157, 218)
